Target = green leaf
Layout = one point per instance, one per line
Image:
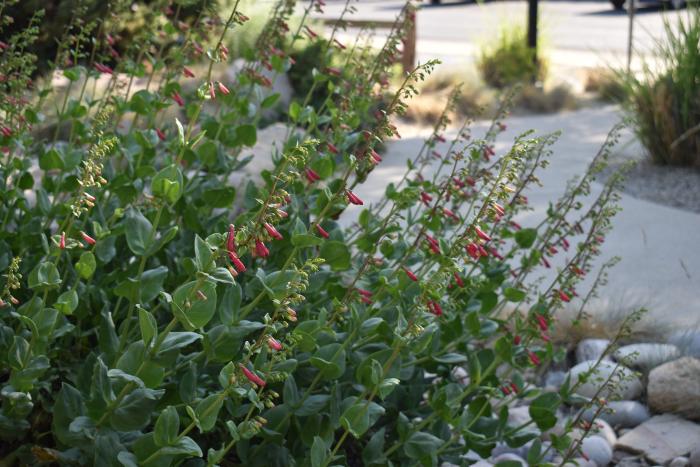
(422, 445)
(167, 427)
(294, 111)
(44, 276)
(360, 416)
(168, 184)
(67, 302)
(207, 411)
(304, 240)
(514, 295)
(247, 135)
(134, 411)
(313, 405)
(193, 309)
(319, 451)
(86, 265)
(330, 359)
(336, 254)
(148, 325)
(180, 132)
(525, 238)
(151, 283)
(19, 354)
(50, 160)
(138, 232)
(543, 410)
(203, 255)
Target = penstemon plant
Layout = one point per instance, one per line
(154, 313)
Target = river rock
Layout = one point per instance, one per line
(621, 414)
(553, 380)
(688, 342)
(674, 387)
(694, 458)
(604, 430)
(646, 357)
(510, 458)
(597, 449)
(591, 349)
(661, 438)
(679, 462)
(608, 380)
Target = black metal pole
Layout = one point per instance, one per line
(532, 31)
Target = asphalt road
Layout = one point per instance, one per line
(584, 27)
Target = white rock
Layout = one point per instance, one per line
(695, 457)
(608, 380)
(518, 415)
(661, 438)
(604, 430)
(482, 463)
(674, 387)
(510, 457)
(623, 414)
(591, 349)
(679, 462)
(688, 342)
(554, 379)
(598, 450)
(646, 357)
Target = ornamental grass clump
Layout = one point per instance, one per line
(153, 313)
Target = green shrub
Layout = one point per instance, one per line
(157, 311)
(508, 60)
(664, 101)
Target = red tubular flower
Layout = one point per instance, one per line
(261, 250)
(252, 377)
(426, 198)
(353, 199)
(481, 234)
(470, 181)
(458, 182)
(212, 91)
(552, 250)
(231, 239)
(177, 98)
(333, 71)
(473, 251)
(321, 231)
(440, 138)
(6, 131)
(222, 88)
(62, 241)
(160, 134)
(482, 251)
(273, 232)
(88, 238)
(103, 69)
(546, 263)
(498, 208)
(433, 244)
(274, 344)
(311, 175)
(410, 274)
(458, 279)
(517, 340)
(542, 322)
(544, 337)
(434, 308)
(237, 263)
(197, 48)
(514, 387)
(534, 359)
(505, 390)
(363, 292)
(564, 297)
(187, 72)
(366, 300)
(565, 244)
(495, 253)
(340, 46)
(3, 45)
(515, 225)
(376, 158)
(310, 32)
(332, 148)
(449, 213)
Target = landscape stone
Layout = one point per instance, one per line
(598, 450)
(604, 430)
(679, 462)
(591, 349)
(674, 387)
(621, 414)
(554, 379)
(609, 381)
(688, 342)
(510, 457)
(695, 457)
(646, 357)
(661, 438)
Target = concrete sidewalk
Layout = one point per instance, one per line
(660, 266)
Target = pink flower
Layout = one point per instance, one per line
(517, 340)
(564, 297)
(375, 157)
(223, 89)
(542, 322)
(237, 263)
(274, 344)
(187, 72)
(515, 225)
(311, 175)
(62, 241)
(426, 198)
(410, 274)
(353, 199)
(88, 238)
(272, 231)
(364, 293)
(212, 91)
(332, 148)
(321, 231)
(458, 279)
(231, 239)
(177, 98)
(481, 234)
(473, 251)
(252, 377)
(103, 69)
(160, 134)
(261, 250)
(533, 357)
(435, 308)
